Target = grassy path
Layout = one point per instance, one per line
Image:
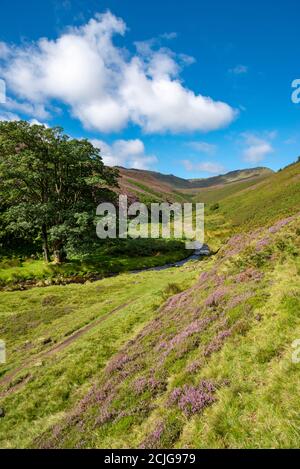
(87, 325)
(57, 348)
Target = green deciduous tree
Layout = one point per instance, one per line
(50, 186)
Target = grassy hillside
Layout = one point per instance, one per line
(40, 384)
(266, 201)
(248, 205)
(117, 364)
(145, 185)
(195, 356)
(215, 194)
(231, 177)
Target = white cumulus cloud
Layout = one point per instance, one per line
(9, 116)
(257, 147)
(126, 153)
(105, 86)
(204, 166)
(203, 147)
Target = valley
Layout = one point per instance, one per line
(185, 357)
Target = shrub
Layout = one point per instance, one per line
(214, 207)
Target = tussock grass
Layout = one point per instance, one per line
(196, 356)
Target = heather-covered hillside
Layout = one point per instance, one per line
(152, 186)
(189, 356)
(192, 370)
(179, 358)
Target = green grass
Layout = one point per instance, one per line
(256, 402)
(30, 317)
(269, 200)
(251, 205)
(158, 195)
(212, 195)
(230, 319)
(112, 258)
(258, 409)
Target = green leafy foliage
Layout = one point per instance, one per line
(50, 186)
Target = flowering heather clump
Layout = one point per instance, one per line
(218, 280)
(216, 297)
(173, 301)
(204, 277)
(280, 224)
(193, 399)
(194, 366)
(174, 396)
(178, 300)
(161, 345)
(236, 300)
(235, 245)
(105, 416)
(193, 328)
(152, 441)
(235, 240)
(117, 363)
(142, 384)
(262, 243)
(248, 275)
(216, 343)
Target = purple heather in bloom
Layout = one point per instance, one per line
(142, 384)
(192, 399)
(174, 396)
(216, 343)
(236, 300)
(249, 275)
(177, 301)
(216, 297)
(117, 363)
(153, 439)
(204, 277)
(193, 328)
(194, 366)
(262, 243)
(280, 224)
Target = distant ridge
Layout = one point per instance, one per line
(144, 184)
(194, 183)
(233, 176)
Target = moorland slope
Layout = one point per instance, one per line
(196, 356)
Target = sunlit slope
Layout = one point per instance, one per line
(148, 186)
(191, 357)
(239, 175)
(265, 202)
(214, 194)
(211, 365)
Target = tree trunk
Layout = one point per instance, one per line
(45, 244)
(59, 254)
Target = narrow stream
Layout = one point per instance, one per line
(204, 251)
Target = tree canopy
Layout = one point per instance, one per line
(50, 186)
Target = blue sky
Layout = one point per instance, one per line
(192, 87)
